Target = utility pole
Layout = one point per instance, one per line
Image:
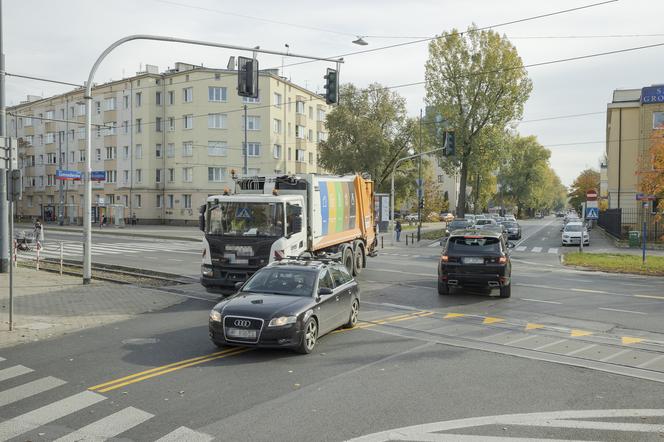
(61, 209)
(420, 190)
(5, 240)
(246, 146)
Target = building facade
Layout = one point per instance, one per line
(633, 118)
(164, 142)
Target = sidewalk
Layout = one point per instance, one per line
(389, 241)
(181, 233)
(47, 305)
(602, 242)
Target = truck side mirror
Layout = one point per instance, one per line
(201, 218)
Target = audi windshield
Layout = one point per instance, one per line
(280, 281)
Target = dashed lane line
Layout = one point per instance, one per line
(615, 355)
(550, 344)
(540, 300)
(621, 311)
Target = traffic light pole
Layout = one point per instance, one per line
(420, 189)
(87, 219)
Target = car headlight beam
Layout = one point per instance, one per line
(282, 320)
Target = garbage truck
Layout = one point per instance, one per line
(271, 218)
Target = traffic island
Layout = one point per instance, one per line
(616, 263)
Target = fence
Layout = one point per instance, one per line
(619, 222)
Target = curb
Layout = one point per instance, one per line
(132, 234)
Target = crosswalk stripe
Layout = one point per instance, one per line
(110, 426)
(520, 249)
(41, 416)
(184, 433)
(553, 250)
(537, 249)
(12, 372)
(30, 389)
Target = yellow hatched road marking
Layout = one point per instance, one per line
(114, 385)
(373, 323)
(626, 340)
(490, 320)
(453, 315)
(531, 326)
(423, 315)
(579, 333)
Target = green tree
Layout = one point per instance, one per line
(587, 180)
(368, 132)
(477, 81)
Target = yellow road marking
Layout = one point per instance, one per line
(490, 320)
(160, 368)
(649, 296)
(579, 333)
(116, 385)
(531, 326)
(626, 340)
(423, 315)
(453, 315)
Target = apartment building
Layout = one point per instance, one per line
(164, 141)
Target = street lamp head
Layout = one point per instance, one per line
(360, 41)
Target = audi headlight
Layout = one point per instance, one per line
(282, 320)
(215, 316)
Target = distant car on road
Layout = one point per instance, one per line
(411, 217)
(539, 215)
(475, 258)
(458, 224)
(484, 221)
(573, 232)
(287, 304)
(513, 229)
(447, 217)
(510, 218)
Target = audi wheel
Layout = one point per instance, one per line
(354, 312)
(309, 338)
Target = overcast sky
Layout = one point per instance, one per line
(61, 40)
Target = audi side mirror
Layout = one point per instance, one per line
(325, 291)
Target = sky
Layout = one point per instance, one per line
(61, 40)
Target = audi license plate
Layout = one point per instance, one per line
(241, 333)
(473, 260)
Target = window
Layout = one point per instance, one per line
(28, 120)
(276, 151)
(138, 151)
(187, 149)
(125, 126)
(62, 114)
(217, 148)
(170, 150)
(125, 101)
(658, 120)
(137, 100)
(125, 176)
(139, 175)
(171, 175)
(186, 201)
(299, 155)
(217, 121)
(169, 201)
(125, 199)
(50, 137)
(110, 152)
(157, 100)
(254, 149)
(81, 133)
(216, 93)
(158, 124)
(187, 174)
(441, 178)
(321, 136)
(250, 100)
(216, 174)
(340, 275)
(188, 94)
(157, 175)
(157, 151)
(311, 113)
(276, 126)
(277, 99)
(253, 122)
(111, 127)
(125, 152)
(81, 156)
(171, 97)
(109, 104)
(49, 115)
(111, 176)
(310, 135)
(72, 157)
(299, 107)
(188, 121)
(98, 154)
(137, 201)
(139, 129)
(159, 201)
(29, 139)
(311, 158)
(29, 200)
(50, 180)
(289, 154)
(299, 131)
(71, 134)
(171, 124)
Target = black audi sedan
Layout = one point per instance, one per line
(288, 304)
(476, 258)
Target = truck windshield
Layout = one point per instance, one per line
(237, 218)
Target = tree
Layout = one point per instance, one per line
(651, 170)
(477, 81)
(368, 132)
(434, 203)
(587, 180)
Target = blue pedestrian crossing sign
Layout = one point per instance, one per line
(592, 213)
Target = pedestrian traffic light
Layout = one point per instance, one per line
(247, 77)
(331, 86)
(450, 148)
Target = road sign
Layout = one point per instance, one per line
(419, 182)
(644, 197)
(98, 175)
(591, 195)
(67, 175)
(591, 203)
(592, 213)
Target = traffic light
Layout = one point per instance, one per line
(450, 148)
(421, 203)
(247, 77)
(14, 190)
(331, 86)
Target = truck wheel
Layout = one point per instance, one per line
(347, 260)
(358, 258)
(443, 288)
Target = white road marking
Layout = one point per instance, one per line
(650, 362)
(14, 371)
(579, 350)
(46, 414)
(620, 310)
(602, 292)
(615, 355)
(516, 341)
(521, 248)
(109, 427)
(540, 300)
(15, 394)
(553, 250)
(184, 433)
(550, 344)
(605, 426)
(537, 249)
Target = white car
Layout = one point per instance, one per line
(572, 234)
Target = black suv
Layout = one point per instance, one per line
(475, 258)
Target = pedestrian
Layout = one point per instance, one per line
(38, 232)
(397, 229)
(133, 219)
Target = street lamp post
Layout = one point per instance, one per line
(87, 221)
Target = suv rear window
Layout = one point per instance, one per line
(474, 244)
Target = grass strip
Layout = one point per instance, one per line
(617, 263)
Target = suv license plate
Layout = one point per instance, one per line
(241, 333)
(473, 260)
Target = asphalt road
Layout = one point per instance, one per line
(567, 341)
